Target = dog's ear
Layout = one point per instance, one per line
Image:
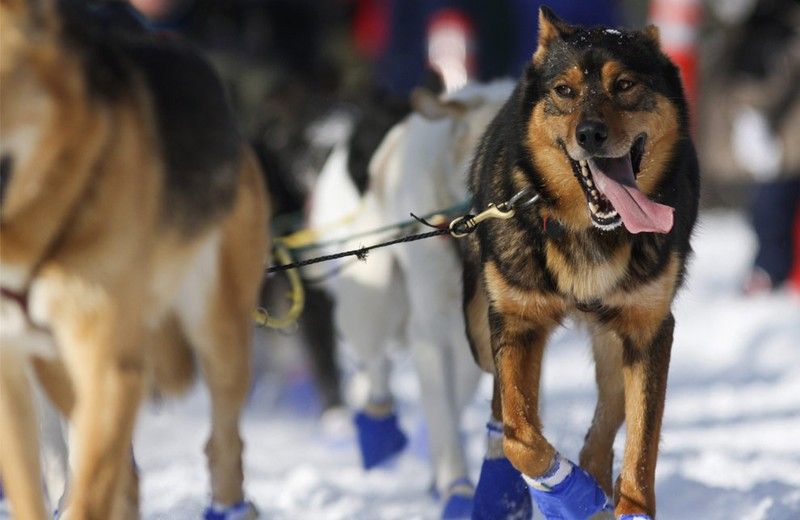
(551, 28)
(653, 34)
(432, 107)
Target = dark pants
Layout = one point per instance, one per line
(775, 205)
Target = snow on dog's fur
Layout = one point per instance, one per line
(411, 293)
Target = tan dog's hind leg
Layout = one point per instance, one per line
(221, 331)
(19, 446)
(597, 455)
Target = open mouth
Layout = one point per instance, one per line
(609, 184)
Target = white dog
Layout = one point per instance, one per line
(410, 292)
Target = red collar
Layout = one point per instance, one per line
(21, 299)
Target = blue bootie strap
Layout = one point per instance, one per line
(577, 497)
(637, 516)
(559, 470)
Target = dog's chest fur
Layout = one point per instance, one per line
(570, 269)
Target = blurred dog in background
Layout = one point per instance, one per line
(134, 237)
(406, 294)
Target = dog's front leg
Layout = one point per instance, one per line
(99, 335)
(19, 445)
(597, 455)
(645, 366)
(559, 488)
(518, 345)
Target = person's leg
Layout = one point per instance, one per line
(773, 211)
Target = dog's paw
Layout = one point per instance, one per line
(460, 498)
(501, 493)
(379, 438)
(577, 497)
(244, 510)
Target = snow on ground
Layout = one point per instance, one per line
(730, 447)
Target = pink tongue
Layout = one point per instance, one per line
(614, 178)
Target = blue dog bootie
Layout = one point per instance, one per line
(379, 438)
(460, 499)
(244, 510)
(566, 492)
(502, 494)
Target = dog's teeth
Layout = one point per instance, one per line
(589, 182)
(594, 193)
(594, 207)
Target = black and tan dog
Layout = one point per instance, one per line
(134, 232)
(598, 128)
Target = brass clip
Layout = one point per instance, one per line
(471, 222)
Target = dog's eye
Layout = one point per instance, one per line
(564, 91)
(623, 84)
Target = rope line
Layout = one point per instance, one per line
(360, 253)
(310, 246)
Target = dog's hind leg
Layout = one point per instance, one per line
(19, 447)
(434, 368)
(466, 373)
(215, 316)
(370, 310)
(501, 492)
(215, 306)
(597, 455)
(224, 353)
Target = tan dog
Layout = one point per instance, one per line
(134, 226)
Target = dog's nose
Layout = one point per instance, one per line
(591, 135)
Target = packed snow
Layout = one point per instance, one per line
(730, 446)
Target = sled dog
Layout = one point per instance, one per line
(134, 237)
(597, 128)
(409, 294)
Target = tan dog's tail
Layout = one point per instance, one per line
(171, 359)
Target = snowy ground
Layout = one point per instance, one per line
(730, 447)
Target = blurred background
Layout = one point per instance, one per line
(290, 63)
(304, 74)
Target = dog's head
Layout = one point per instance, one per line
(605, 110)
(467, 111)
(34, 81)
(51, 129)
(49, 119)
